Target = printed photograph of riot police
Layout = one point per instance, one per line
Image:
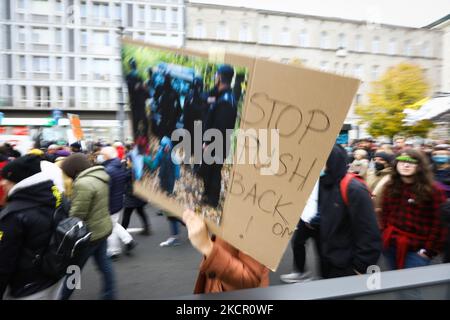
(169, 92)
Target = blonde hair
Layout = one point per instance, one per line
(360, 152)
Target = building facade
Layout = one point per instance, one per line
(65, 54)
(443, 25)
(353, 48)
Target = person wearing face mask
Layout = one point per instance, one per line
(413, 232)
(378, 177)
(441, 166)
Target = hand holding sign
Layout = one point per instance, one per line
(198, 232)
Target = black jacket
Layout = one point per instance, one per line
(222, 116)
(350, 238)
(131, 201)
(117, 184)
(25, 230)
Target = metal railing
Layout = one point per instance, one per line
(432, 282)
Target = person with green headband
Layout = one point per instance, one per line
(413, 232)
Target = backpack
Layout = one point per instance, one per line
(69, 242)
(346, 181)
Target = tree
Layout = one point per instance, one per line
(401, 87)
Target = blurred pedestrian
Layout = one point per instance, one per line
(441, 166)
(117, 183)
(90, 203)
(360, 165)
(134, 203)
(350, 240)
(26, 226)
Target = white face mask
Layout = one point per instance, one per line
(100, 159)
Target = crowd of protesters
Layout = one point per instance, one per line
(377, 201)
(372, 201)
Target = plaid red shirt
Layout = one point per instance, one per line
(422, 220)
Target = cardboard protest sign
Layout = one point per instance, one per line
(76, 126)
(308, 108)
(261, 199)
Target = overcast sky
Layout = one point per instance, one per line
(412, 13)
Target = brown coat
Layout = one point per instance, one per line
(227, 269)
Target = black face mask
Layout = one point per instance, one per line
(379, 166)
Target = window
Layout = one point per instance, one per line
(141, 36)
(265, 34)
(244, 32)
(101, 68)
(285, 37)
(323, 40)
(59, 65)
(22, 64)
(199, 30)
(42, 96)
(101, 38)
(408, 48)
(100, 10)
(58, 6)
(375, 73)
(141, 13)
(40, 36)
(342, 41)
(344, 68)
(84, 94)
(83, 10)
(58, 36)
(117, 12)
(153, 14)
(21, 4)
(83, 66)
(336, 67)
(323, 65)
(162, 14)
(303, 39)
(392, 46)
(359, 43)
(41, 64)
(376, 45)
(84, 38)
(174, 15)
(358, 72)
(222, 32)
(101, 94)
(22, 35)
(59, 93)
(23, 92)
(358, 99)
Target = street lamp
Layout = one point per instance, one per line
(121, 100)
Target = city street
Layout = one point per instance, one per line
(152, 272)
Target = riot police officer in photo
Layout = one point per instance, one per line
(138, 96)
(168, 106)
(222, 116)
(195, 108)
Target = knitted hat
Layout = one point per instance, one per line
(22, 168)
(385, 156)
(75, 164)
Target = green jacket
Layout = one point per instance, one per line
(90, 201)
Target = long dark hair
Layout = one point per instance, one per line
(423, 184)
